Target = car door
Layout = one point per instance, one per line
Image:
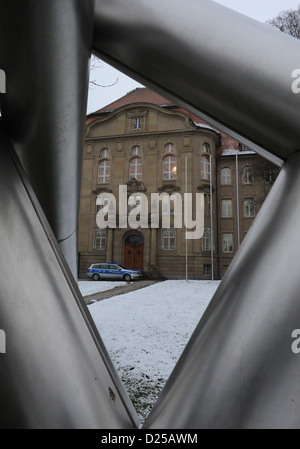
(104, 271)
(115, 271)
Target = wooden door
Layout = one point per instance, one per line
(134, 253)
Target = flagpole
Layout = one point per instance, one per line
(211, 222)
(237, 197)
(186, 215)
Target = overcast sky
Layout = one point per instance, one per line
(99, 97)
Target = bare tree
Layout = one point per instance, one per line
(288, 22)
(95, 65)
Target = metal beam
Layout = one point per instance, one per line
(239, 369)
(44, 106)
(233, 71)
(56, 373)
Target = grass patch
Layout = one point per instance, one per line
(142, 390)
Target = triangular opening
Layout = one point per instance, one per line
(146, 330)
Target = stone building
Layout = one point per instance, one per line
(151, 147)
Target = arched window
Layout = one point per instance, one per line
(225, 176)
(248, 177)
(169, 167)
(206, 148)
(136, 151)
(249, 208)
(135, 169)
(271, 173)
(169, 148)
(205, 168)
(103, 171)
(104, 153)
(206, 239)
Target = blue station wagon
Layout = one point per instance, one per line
(112, 271)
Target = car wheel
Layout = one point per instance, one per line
(127, 277)
(96, 277)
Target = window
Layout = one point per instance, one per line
(105, 203)
(103, 171)
(169, 167)
(206, 203)
(225, 176)
(104, 153)
(134, 201)
(249, 208)
(99, 243)
(207, 270)
(168, 239)
(248, 177)
(271, 174)
(136, 151)
(169, 148)
(168, 206)
(227, 243)
(135, 169)
(206, 239)
(205, 168)
(137, 123)
(206, 148)
(227, 208)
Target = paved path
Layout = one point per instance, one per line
(130, 287)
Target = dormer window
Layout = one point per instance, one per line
(137, 123)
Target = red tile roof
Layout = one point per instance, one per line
(145, 95)
(139, 95)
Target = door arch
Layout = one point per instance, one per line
(134, 252)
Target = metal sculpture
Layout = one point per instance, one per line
(238, 370)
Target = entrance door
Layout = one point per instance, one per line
(134, 252)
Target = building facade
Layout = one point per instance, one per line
(157, 151)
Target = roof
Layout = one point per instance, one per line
(146, 95)
(139, 95)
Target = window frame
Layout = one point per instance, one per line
(168, 235)
(205, 162)
(138, 175)
(249, 209)
(102, 238)
(169, 148)
(226, 208)
(247, 175)
(105, 177)
(169, 160)
(207, 269)
(227, 242)
(225, 177)
(137, 123)
(206, 239)
(206, 148)
(104, 153)
(136, 150)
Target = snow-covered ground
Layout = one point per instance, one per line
(145, 332)
(90, 287)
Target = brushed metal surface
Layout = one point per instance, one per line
(238, 370)
(231, 70)
(56, 373)
(45, 48)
